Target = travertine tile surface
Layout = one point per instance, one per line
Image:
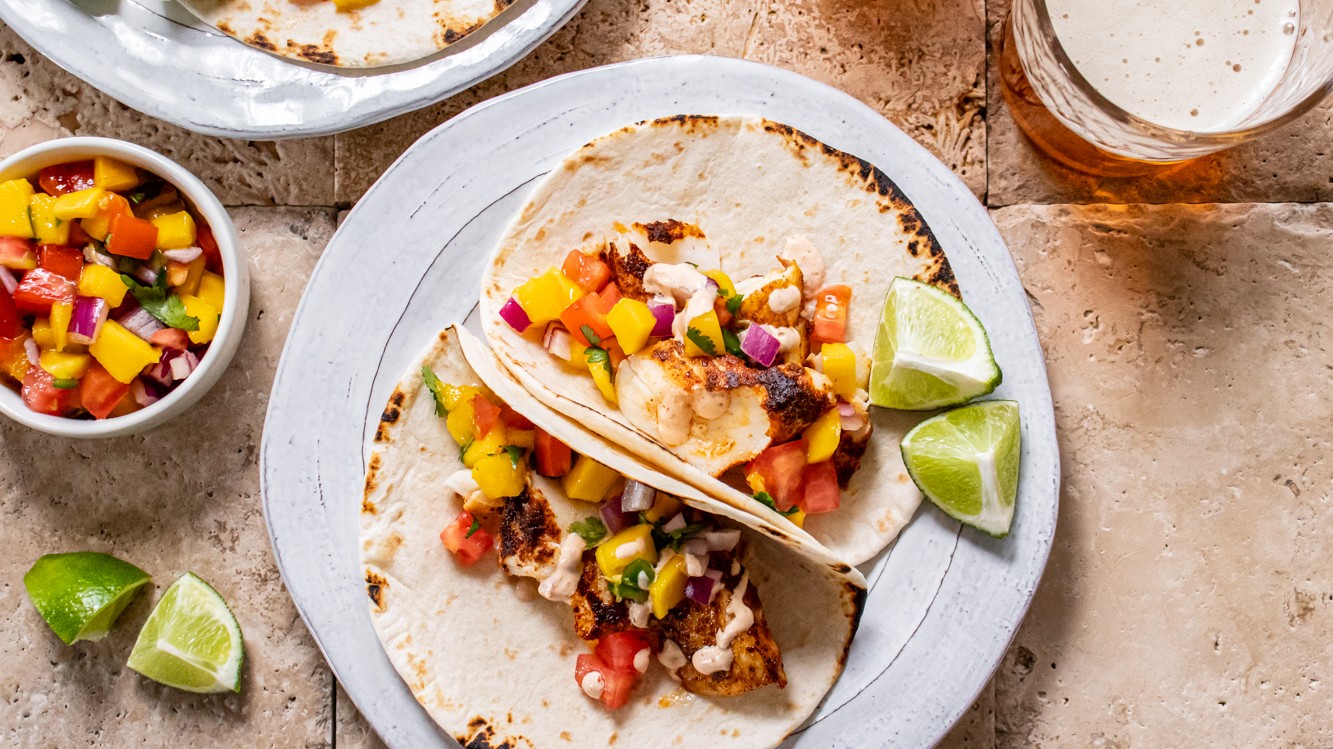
(183, 497)
(920, 63)
(1188, 600)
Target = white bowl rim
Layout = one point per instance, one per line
(235, 302)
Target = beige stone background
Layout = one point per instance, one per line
(1188, 600)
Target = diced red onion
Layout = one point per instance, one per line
(34, 353)
(161, 372)
(8, 281)
(615, 518)
(183, 365)
(140, 323)
(721, 540)
(715, 575)
(86, 320)
(146, 275)
(637, 497)
(185, 255)
(143, 395)
(666, 315)
(512, 313)
(675, 523)
(710, 283)
(556, 340)
(851, 420)
(91, 255)
(760, 345)
(700, 589)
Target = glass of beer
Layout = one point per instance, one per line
(1123, 87)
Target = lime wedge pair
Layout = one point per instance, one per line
(191, 641)
(931, 352)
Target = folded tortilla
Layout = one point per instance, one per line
(492, 663)
(750, 185)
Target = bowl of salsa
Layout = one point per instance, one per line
(123, 294)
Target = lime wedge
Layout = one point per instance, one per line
(966, 462)
(80, 594)
(191, 641)
(930, 352)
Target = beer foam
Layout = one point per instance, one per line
(1199, 65)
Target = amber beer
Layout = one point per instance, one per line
(1124, 87)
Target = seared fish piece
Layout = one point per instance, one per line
(529, 535)
(597, 613)
(763, 406)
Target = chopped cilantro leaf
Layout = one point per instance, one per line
(61, 383)
(515, 454)
(463, 450)
(625, 591)
(433, 385)
(635, 569)
(591, 529)
(677, 537)
(137, 197)
(168, 309)
(590, 334)
(734, 303)
(704, 343)
(733, 343)
(766, 499)
(472, 528)
(597, 355)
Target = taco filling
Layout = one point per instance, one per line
(754, 381)
(647, 578)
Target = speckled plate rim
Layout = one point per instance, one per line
(944, 603)
(154, 56)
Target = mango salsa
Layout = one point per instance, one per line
(543, 298)
(48, 228)
(208, 318)
(102, 282)
(588, 480)
(110, 206)
(822, 437)
(637, 540)
(600, 369)
(122, 353)
(15, 216)
(668, 588)
(840, 366)
(499, 476)
(61, 312)
(80, 204)
(462, 419)
(114, 175)
(492, 444)
(664, 507)
(65, 366)
(175, 231)
(723, 281)
(703, 337)
(212, 289)
(632, 322)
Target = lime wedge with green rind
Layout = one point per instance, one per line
(930, 351)
(191, 641)
(966, 462)
(80, 594)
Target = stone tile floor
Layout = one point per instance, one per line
(1188, 349)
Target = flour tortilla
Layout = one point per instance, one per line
(749, 184)
(486, 663)
(389, 32)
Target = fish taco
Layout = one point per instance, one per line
(536, 588)
(705, 292)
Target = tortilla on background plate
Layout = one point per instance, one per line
(387, 32)
(733, 193)
(492, 661)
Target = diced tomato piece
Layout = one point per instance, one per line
(41, 395)
(10, 324)
(209, 244)
(67, 261)
(781, 467)
(830, 322)
(586, 270)
(618, 649)
(616, 684)
(64, 178)
(131, 237)
(486, 413)
(554, 458)
(514, 419)
(17, 253)
(614, 352)
(609, 296)
(591, 311)
(821, 488)
(40, 288)
(468, 548)
(171, 338)
(100, 392)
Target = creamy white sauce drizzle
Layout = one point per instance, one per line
(564, 579)
(631, 549)
(784, 299)
(641, 660)
(638, 614)
(674, 411)
(710, 404)
(461, 483)
(593, 684)
(799, 250)
(711, 659)
(672, 658)
(788, 338)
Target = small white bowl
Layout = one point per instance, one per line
(235, 308)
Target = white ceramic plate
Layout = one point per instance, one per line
(944, 602)
(155, 56)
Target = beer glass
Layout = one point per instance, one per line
(1157, 94)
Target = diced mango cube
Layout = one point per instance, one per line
(544, 297)
(499, 476)
(668, 588)
(108, 207)
(454, 395)
(462, 419)
(208, 318)
(524, 438)
(664, 506)
(632, 322)
(114, 175)
(45, 225)
(103, 283)
(80, 204)
(346, 5)
(121, 352)
(15, 211)
(61, 312)
(599, 366)
(65, 366)
(43, 335)
(185, 277)
(175, 231)
(492, 444)
(212, 289)
(703, 337)
(797, 518)
(588, 480)
(635, 542)
(723, 281)
(822, 437)
(840, 366)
